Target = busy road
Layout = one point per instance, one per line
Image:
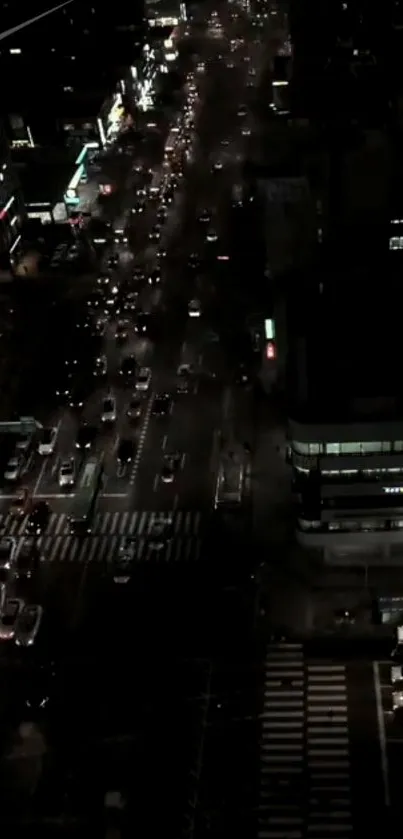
(107, 506)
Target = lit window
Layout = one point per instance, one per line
(68, 89)
(350, 448)
(371, 447)
(393, 490)
(396, 243)
(73, 58)
(15, 51)
(332, 448)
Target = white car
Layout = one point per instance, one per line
(8, 621)
(27, 625)
(143, 379)
(211, 236)
(47, 443)
(14, 468)
(67, 473)
(194, 309)
(108, 409)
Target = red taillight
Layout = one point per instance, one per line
(271, 351)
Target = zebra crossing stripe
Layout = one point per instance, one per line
(186, 523)
(304, 722)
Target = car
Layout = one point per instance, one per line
(27, 560)
(245, 131)
(121, 569)
(113, 260)
(194, 262)
(217, 166)
(128, 367)
(47, 442)
(13, 607)
(63, 389)
(161, 254)
(99, 328)
(8, 547)
(77, 398)
(38, 518)
(183, 380)
(101, 366)
(194, 308)
(155, 233)
(20, 504)
(162, 214)
(130, 302)
(27, 625)
(160, 531)
(142, 323)
(67, 473)
(161, 405)
(39, 689)
(103, 280)
(14, 468)
(154, 277)
(126, 451)
(24, 442)
(205, 217)
(134, 408)
(211, 235)
(169, 467)
(86, 435)
(108, 409)
(143, 380)
(122, 331)
(138, 274)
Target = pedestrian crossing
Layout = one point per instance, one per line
(109, 529)
(185, 523)
(305, 766)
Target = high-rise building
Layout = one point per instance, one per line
(65, 70)
(11, 207)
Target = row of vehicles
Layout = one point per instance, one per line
(19, 620)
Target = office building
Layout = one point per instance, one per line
(345, 408)
(72, 80)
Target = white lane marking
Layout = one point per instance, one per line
(142, 440)
(382, 735)
(156, 483)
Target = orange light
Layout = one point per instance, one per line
(271, 351)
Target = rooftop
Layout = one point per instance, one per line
(344, 345)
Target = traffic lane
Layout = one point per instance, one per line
(365, 748)
(194, 435)
(151, 448)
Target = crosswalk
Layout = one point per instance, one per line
(184, 523)
(59, 545)
(305, 767)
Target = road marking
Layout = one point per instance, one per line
(156, 482)
(142, 439)
(382, 735)
(113, 494)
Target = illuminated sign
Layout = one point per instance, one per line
(84, 152)
(164, 21)
(269, 329)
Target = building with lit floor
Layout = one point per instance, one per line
(345, 410)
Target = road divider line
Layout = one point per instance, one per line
(382, 734)
(142, 439)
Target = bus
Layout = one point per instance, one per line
(85, 499)
(230, 484)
